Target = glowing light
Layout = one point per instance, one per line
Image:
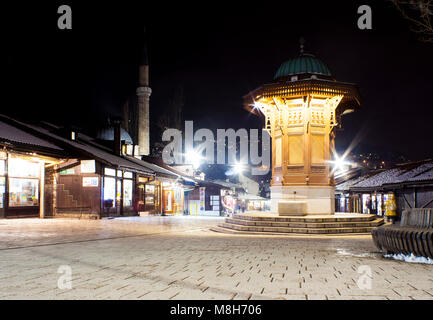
(238, 168)
(194, 158)
(340, 164)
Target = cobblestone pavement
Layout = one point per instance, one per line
(179, 258)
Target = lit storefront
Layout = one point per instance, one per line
(22, 184)
(366, 203)
(118, 190)
(148, 195)
(173, 198)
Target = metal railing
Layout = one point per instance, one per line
(417, 217)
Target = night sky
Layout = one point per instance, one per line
(217, 52)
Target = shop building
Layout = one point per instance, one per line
(206, 199)
(410, 183)
(66, 174)
(26, 169)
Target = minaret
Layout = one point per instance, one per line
(143, 98)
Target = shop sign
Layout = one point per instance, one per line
(67, 171)
(202, 197)
(90, 181)
(88, 166)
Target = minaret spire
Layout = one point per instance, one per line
(143, 97)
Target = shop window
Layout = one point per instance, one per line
(23, 168)
(2, 168)
(366, 203)
(127, 193)
(119, 173)
(109, 191)
(127, 175)
(109, 172)
(23, 192)
(150, 194)
(2, 182)
(2, 191)
(379, 205)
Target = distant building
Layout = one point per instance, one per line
(411, 183)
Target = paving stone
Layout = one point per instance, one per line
(179, 258)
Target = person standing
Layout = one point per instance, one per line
(391, 208)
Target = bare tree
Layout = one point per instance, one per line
(420, 14)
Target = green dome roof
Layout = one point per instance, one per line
(305, 63)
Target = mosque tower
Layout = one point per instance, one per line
(143, 97)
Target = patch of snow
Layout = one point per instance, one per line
(409, 258)
(359, 255)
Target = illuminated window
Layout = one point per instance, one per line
(23, 168)
(23, 192)
(2, 191)
(127, 193)
(127, 175)
(109, 191)
(109, 172)
(2, 168)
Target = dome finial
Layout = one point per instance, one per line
(301, 44)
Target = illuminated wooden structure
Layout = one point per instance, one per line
(302, 106)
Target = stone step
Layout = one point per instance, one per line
(298, 224)
(288, 234)
(367, 217)
(276, 230)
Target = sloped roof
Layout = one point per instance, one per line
(157, 169)
(94, 151)
(403, 173)
(377, 180)
(12, 134)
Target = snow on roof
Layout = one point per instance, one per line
(426, 175)
(414, 172)
(349, 183)
(12, 134)
(408, 172)
(377, 180)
